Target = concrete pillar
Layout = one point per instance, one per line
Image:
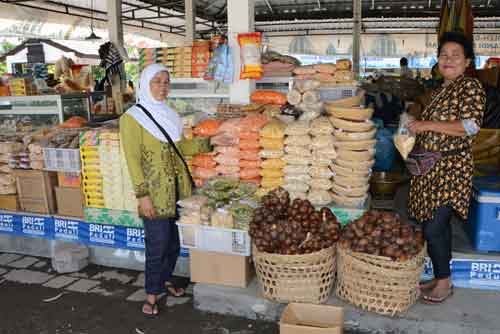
(190, 18)
(356, 36)
(241, 18)
(115, 27)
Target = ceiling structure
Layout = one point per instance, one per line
(270, 15)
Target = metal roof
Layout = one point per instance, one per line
(168, 15)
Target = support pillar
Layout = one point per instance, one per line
(356, 36)
(241, 19)
(115, 27)
(190, 18)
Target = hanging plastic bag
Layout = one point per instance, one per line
(404, 140)
(251, 64)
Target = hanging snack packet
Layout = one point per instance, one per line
(251, 65)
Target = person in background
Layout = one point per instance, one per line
(405, 72)
(448, 125)
(152, 145)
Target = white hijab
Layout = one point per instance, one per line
(165, 116)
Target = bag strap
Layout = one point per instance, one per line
(170, 141)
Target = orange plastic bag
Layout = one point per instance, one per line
(251, 135)
(268, 97)
(251, 64)
(249, 173)
(250, 155)
(204, 160)
(250, 164)
(207, 128)
(204, 173)
(253, 123)
(246, 144)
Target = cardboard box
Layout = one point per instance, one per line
(36, 190)
(72, 180)
(220, 269)
(69, 202)
(9, 202)
(312, 319)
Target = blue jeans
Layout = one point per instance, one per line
(162, 251)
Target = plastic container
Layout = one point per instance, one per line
(483, 226)
(215, 239)
(337, 93)
(62, 160)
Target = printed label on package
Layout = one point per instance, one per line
(66, 229)
(36, 226)
(102, 234)
(7, 223)
(135, 238)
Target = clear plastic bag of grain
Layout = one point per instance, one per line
(404, 139)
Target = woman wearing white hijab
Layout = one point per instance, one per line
(160, 178)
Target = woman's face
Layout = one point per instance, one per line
(452, 61)
(160, 86)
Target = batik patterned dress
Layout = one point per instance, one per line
(449, 182)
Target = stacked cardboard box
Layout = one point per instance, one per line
(36, 190)
(200, 58)
(182, 62)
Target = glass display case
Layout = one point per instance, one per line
(48, 110)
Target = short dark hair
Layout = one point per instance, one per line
(403, 62)
(459, 38)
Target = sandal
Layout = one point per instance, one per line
(429, 300)
(154, 309)
(176, 287)
(426, 285)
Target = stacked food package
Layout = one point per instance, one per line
(327, 74)
(298, 158)
(182, 62)
(355, 146)
(222, 202)
(272, 142)
(112, 181)
(306, 97)
(22, 87)
(250, 162)
(7, 179)
(226, 147)
(150, 56)
(323, 153)
(200, 58)
(204, 163)
(91, 169)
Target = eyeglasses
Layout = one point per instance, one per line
(160, 83)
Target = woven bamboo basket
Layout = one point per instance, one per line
(378, 284)
(307, 278)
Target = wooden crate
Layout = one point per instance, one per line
(36, 190)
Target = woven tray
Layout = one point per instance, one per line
(304, 278)
(378, 284)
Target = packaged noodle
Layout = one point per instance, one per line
(273, 164)
(271, 173)
(271, 144)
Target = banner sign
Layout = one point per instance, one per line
(74, 230)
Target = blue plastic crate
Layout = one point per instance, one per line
(483, 226)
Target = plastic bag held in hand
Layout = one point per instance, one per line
(404, 139)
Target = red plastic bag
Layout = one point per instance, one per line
(205, 160)
(250, 155)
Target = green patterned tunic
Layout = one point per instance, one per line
(154, 167)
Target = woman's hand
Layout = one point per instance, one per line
(419, 126)
(146, 207)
